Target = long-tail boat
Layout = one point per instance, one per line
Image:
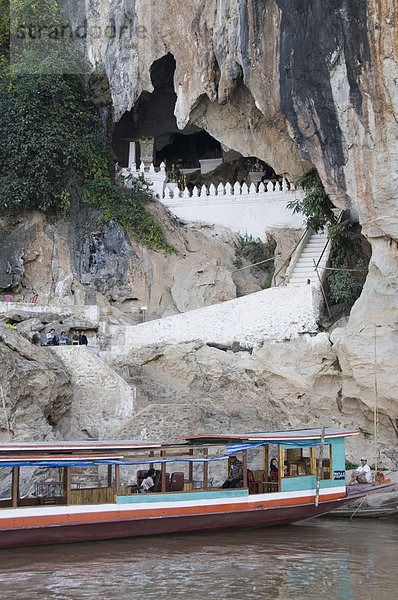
(310, 481)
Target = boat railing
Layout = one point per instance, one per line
(48, 489)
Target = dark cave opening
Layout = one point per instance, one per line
(149, 133)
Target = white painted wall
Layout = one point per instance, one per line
(254, 210)
(254, 214)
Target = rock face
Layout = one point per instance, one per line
(80, 263)
(102, 400)
(36, 389)
(293, 84)
(286, 384)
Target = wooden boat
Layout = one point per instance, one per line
(310, 482)
(365, 512)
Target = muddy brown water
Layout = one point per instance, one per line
(318, 559)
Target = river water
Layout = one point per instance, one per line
(319, 559)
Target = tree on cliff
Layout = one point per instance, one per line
(53, 154)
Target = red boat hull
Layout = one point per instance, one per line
(121, 528)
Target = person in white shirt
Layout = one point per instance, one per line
(362, 474)
(148, 484)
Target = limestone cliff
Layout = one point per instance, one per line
(35, 389)
(81, 262)
(295, 84)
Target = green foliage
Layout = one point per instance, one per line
(53, 154)
(4, 34)
(316, 205)
(126, 207)
(350, 466)
(345, 284)
(254, 250)
(46, 125)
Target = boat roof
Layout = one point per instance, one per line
(90, 452)
(90, 446)
(275, 437)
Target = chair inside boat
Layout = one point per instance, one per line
(176, 482)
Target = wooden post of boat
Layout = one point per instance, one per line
(67, 486)
(281, 466)
(15, 487)
(312, 461)
(190, 467)
(117, 480)
(163, 471)
(109, 476)
(205, 470)
(151, 454)
(266, 461)
(244, 454)
(319, 470)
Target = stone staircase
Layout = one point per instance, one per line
(301, 269)
(102, 400)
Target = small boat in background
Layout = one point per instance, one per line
(309, 481)
(348, 512)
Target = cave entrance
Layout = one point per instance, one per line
(148, 133)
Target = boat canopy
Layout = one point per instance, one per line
(272, 437)
(124, 452)
(85, 445)
(90, 453)
(62, 454)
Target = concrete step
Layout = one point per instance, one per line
(312, 249)
(304, 267)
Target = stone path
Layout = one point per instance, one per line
(101, 398)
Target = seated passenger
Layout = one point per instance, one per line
(148, 484)
(50, 336)
(63, 339)
(235, 473)
(362, 474)
(273, 470)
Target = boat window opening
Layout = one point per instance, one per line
(327, 466)
(298, 463)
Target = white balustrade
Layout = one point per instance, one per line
(253, 209)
